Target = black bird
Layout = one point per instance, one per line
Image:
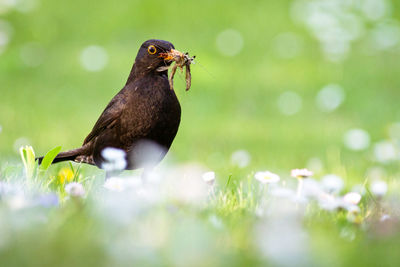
(146, 109)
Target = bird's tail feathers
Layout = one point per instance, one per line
(67, 155)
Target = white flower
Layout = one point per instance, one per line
(301, 173)
(111, 153)
(352, 198)
(378, 188)
(353, 209)
(114, 184)
(329, 202)
(353, 212)
(312, 188)
(75, 189)
(114, 159)
(266, 177)
(332, 183)
(209, 177)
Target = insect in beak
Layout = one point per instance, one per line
(181, 60)
(174, 55)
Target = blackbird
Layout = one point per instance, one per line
(146, 109)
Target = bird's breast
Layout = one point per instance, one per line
(154, 112)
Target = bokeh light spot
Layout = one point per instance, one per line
(241, 158)
(385, 35)
(94, 58)
(332, 183)
(385, 151)
(289, 103)
(6, 31)
(229, 42)
(315, 164)
(356, 139)
(375, 9)
(330, 97)
(26, 6)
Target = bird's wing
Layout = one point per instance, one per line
(108, 118)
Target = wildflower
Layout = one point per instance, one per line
(332, 183)
(352, 198)
(301, 173)
(353, 213)
(329, 202)
(378, 188)
(65, 175)
(114, 159)
(353, 209)
(209, 177)
(266, 177)
(75, 189)
(114, 184)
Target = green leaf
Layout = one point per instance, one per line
(49, 157)
(28, 158)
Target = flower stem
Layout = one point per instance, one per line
(299, 187)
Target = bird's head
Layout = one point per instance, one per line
(156, 54)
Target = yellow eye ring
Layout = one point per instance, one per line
(151, 49)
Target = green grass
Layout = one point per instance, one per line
(231, 106)
(177, 219)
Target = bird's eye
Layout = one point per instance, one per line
(151, 49)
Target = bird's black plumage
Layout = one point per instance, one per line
(145, 109)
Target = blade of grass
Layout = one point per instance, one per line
(49, 157)
(28, 159)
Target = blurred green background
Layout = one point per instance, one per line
(257, 84)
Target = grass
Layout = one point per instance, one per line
(176, 218)
(49, 99)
